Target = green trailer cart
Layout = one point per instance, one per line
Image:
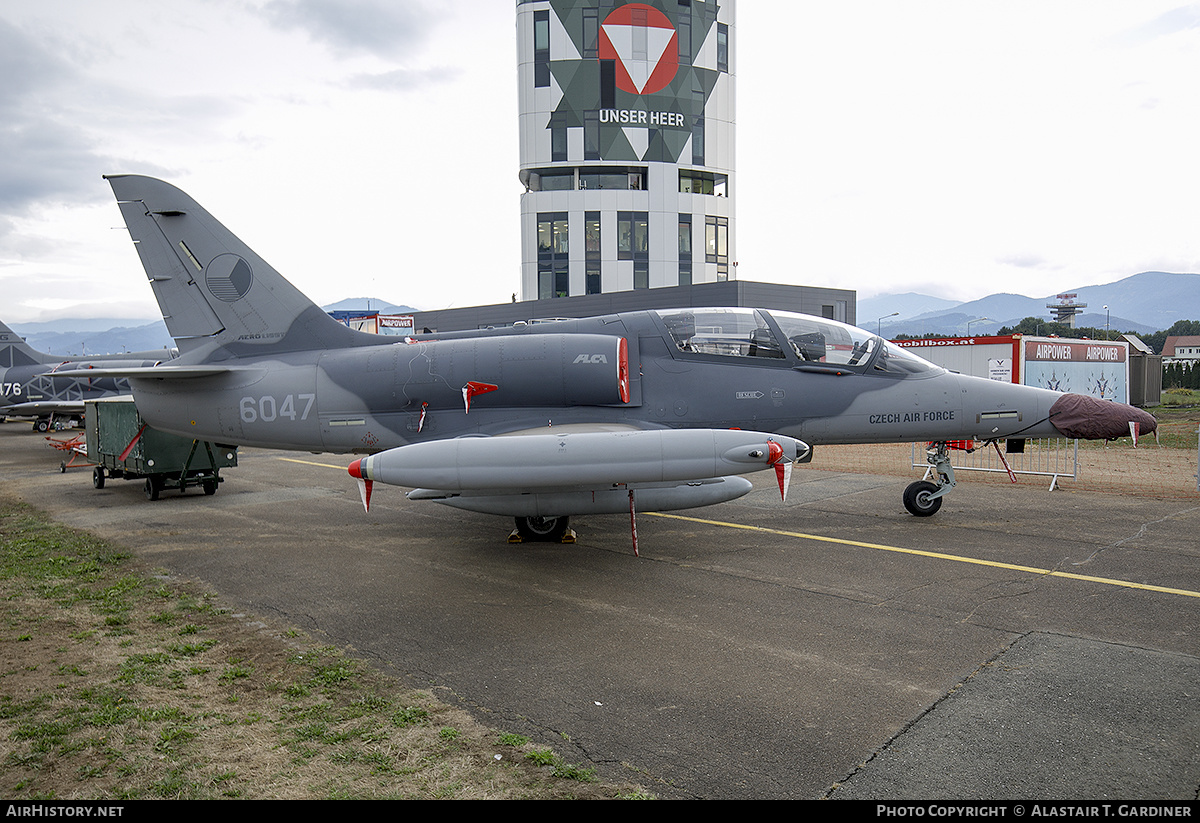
(122, 445)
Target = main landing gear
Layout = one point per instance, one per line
(542, 530)
(924, 498)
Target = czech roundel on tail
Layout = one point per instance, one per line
(657, 410)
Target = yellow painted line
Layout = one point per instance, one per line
(1108, 581)
(312, 463)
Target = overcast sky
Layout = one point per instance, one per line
(369, 147)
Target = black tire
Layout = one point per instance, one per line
(542, 529)
(153, 487)
(98, 477)
(917, 499)
(42, 426)
(209, 486)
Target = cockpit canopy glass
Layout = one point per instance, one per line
(736, 332)
(816, 340)
(896, 360)
(744, 332)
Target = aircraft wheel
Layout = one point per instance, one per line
(918, 501)
(42, 426)
(153, 487)
(98, 477)
(545, 529)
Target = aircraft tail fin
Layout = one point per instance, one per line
(210, 285)
(14, 351)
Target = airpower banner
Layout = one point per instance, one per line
(1094, 367)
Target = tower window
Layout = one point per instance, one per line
(692, 181)
(592, 252)
(633, 235)
(685, 249)
(716, 240)
(553, 264)
(698, 128)
(591, 33)
(541, 49)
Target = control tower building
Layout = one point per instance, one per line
(626, 145)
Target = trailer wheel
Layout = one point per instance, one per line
(98, 477)
(153, 487)
(209, 486)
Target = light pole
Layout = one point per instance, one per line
(1106, 315)
(879, 322)
(976, 320)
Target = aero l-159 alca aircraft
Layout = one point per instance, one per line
(662, 409)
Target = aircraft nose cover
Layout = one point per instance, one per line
(1078, 415)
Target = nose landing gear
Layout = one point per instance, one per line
(923, 498)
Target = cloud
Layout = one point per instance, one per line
(1181, 19)
(403, 79)
(25, 66)
(45, 161)
(1026, 261)
(66, 119)
(383, 28)
(44, 155)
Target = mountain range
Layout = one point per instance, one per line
(1142, 303)
(109, 335)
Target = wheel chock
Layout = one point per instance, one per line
(569, 536)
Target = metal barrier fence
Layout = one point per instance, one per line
(1147, 470)
(1047, 457)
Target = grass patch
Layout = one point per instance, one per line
(1178, 418)
(116, 685)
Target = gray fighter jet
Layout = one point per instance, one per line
(653, 409)
(35, 384)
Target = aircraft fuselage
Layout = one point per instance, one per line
(375, 397)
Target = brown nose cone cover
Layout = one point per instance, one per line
(1078, 415)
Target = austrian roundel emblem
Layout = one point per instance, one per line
(644, 45)
(228, 277)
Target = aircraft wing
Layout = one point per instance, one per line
(166, 372)
(42, 408)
